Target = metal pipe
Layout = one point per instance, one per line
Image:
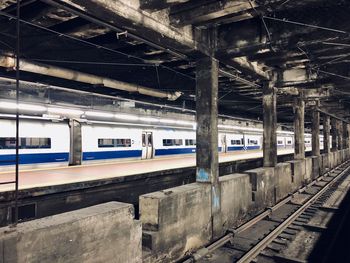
(58, 72)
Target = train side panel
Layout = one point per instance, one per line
(106, 142)
(40, 142)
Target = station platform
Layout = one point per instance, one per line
(90, 172)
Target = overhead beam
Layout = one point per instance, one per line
(208, 11)
(152, 28)
(159, 4)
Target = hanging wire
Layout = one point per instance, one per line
(2, 13)
(264, 23)
(158, 80)
(305, 25)
(17, 110)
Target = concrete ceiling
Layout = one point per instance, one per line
(303, 44)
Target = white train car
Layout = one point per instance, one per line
(104, 142)
(40, 143)
(48, 143)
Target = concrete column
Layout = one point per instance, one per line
(334, 134)
(315, 133)
(270, 125)
(345, 136)
(207, 170)
(340, 134)
(348, 143)
(299, 111)
(326, 133)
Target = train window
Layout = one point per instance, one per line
(189, 142)
(252, 142)
(236, 142)
(25, 143)
(105, 143)
(172, 142)
(289, 142)
(279, 142)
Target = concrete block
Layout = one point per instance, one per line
(298, 173)
(264, 188)
(316, 171)
(334, 159)
(325, 163)
(338, 157)
(176, 220)
(331, 160)
(308, 170)
(236, 199)
(283, 175)
(101, 233)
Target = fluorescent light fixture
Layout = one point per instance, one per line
(21, 106)
(8, 105)
(127, 117)
(31, 107)
(179, 122)
(149, 119)
(99, 114)
(63, 111)
(167, 121)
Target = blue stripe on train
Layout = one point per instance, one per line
(255, 147)
(174, 151)
(235, 148)
(111, 155)
(28, 158)
(32, 158)
(242, 148)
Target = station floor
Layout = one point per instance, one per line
(89, 172)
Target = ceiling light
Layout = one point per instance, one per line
(65, 111)
(126, 117)
(99, 114)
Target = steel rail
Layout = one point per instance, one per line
(255, 251)
(232, 232)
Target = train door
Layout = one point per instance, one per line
(223, 143)
(75, 150)
(147, 145)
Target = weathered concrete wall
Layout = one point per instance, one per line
(101, 233)
(176, 220)
(308, 170)
(236, 199)
(316, 166)
(170, 230)
(298, 173)
(263, 187)
(283, 175)
(324, 163)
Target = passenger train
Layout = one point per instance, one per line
(48, 143)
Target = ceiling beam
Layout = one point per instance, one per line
(211, 10)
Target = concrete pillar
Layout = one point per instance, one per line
(207, 170)
(315, 133)
(270, 125)
(299, 111)
(345, 136)
(348, 143)
(340, 134)
(326, 133)
(334, 134)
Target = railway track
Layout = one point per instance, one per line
(290, 231)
